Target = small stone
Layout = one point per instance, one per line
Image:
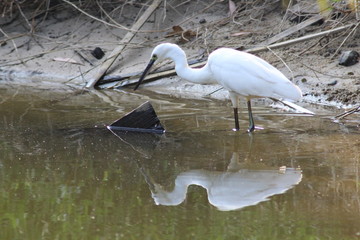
(349, 58)
(333, 83)
(97, 53)
(202, 21)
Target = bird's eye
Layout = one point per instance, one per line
(154, 57)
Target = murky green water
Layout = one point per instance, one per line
(63, 175)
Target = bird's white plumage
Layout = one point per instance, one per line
(250, 76)
(238, 72)
(242, 74)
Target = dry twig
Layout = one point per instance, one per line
(294, 29)
(347, 113)
(14, 44)
(25, 18)
(116, 25)
(345, 39)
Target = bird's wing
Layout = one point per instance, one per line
(249, 75)
(242, 62)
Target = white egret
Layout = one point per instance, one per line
(241, 73)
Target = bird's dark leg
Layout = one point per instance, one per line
(251, 120)
(236, 117)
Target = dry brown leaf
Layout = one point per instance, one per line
(187, 35)
(177, 30)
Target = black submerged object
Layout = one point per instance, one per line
(141, 119)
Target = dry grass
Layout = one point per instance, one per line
(10, 7)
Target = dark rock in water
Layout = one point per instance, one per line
(349, 58)
(98, 53)
(141, 119)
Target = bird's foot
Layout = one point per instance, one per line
(251, 129)
(236, 129)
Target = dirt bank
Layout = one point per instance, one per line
(53, 49)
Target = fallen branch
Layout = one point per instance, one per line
(300, 39)
(131, 78)
(347, 113)
(128, 37)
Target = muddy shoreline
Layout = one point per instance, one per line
(52, 57)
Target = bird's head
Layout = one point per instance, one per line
(161, 52)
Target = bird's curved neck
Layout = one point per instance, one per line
(182, 182)
(183, 70)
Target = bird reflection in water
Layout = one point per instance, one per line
(230, 190)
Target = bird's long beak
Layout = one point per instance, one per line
(152, 60)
